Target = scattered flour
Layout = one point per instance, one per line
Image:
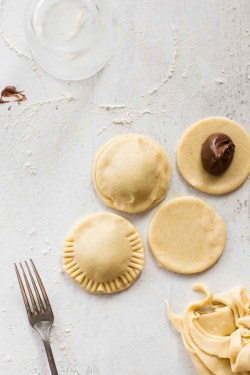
(219, 81)
(124, 121)
(171, 69)
(126, 114)
(145, 112)
(102, 130)
(7, 359)
(33, 232)
(111, 107)
(33, 108)
(30, 169)
(10, 44)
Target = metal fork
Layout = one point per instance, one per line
(40, 314)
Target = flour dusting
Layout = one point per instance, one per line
(219, 81)
(30, 169)
(33, 108)
(124, 121)
(111, 107)
(102, 130)
(10, 45)
(171, 69)
(126, 115)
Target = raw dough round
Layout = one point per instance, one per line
(189, 158)
(104, 253)
(131, 173)
(186, 235)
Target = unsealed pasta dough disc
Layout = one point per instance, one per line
(189, 156)
(104, 253)
(131, 173)
(186, 235)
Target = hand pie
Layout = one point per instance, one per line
(131, 173)
(186, 235)
(190, 162)
(104, 253)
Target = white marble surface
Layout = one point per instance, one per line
(201, 48)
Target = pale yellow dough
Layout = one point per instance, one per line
(216, 332)
(104, 253)
(186, 235)
(189, 158)
(131, 173)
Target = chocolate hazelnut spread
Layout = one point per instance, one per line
(11, 92)
(217, 153)
(3, 101)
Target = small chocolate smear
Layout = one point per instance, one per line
(11, 92)
(217, 153)
(3, 101)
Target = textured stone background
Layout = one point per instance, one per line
(174, 62)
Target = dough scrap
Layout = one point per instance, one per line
(131, 173)
(189, 158)
(216, 332)
(186, 235)
(103, 253)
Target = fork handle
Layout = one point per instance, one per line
(50, 357)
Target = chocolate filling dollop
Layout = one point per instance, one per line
(217, 153)
(11, 92)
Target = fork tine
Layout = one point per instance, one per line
(29, 290)
(46, 299)
(25, 299)
(42, 307)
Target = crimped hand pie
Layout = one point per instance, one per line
(131, 173)
(104, 253)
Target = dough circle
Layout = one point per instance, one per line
(186, 235)
(104, 253)
(131, 173)
(189, 158)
